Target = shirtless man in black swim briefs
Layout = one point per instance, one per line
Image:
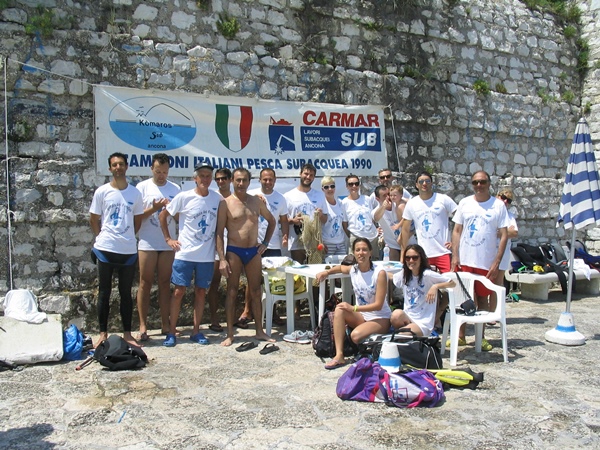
(239, 214)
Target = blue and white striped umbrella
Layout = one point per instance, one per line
(580, 200)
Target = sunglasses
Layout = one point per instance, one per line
(221, 178)
(479, 182)
(427, 181)
(357, 183)
(411, 257)
(331, 186)
(506, 199)
(385, 177)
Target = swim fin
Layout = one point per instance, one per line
(459, 378)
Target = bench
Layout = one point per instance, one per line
(537, 285)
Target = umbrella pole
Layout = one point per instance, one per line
(565, 332)
(570, 279)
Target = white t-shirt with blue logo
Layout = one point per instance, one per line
(479, 239)
(117, 209)
(197, 224)
(277, 206)
(150, 235)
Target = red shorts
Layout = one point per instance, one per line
(442, 262)
(480, 289)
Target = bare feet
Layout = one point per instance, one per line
(131, 340)
(103, 336)
(227, 342)
(264, 337)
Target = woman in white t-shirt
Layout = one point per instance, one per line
(371, 313)
(420, 285)
(335, 230)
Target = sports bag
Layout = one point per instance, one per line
(116, 354)
(410, 389)
(361, 381)
(421, 352)
(72, 343)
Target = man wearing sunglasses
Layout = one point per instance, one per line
(223, 181)
(479, 239)
(385, 179)
(430, 214)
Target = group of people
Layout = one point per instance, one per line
(201, 235)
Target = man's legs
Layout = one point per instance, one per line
(105, 272)
(174, 308)
(126, 274)
(199, 297)
(233, 281)
(253, 275)
(213, 298)
(164, 268)
(148, 261)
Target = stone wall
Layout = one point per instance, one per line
(430, 65)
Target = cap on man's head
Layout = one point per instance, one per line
(203, 165)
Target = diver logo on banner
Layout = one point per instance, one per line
(281, 136)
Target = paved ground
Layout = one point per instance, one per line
(194, 397)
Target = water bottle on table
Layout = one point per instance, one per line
(386, 253)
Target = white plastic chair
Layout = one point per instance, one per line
(453, 320)
(269, 299)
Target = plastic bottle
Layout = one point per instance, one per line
(386, 253)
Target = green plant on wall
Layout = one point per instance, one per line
(228, 26)
(563, 9)
(570, 31)
(546, 98)
(20, 131)
(583, 56)
(43, 23)
(501, 88)
(587, 109)
(481, 87)
(203, 4)
(567, 96)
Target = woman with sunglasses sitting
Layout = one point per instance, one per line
(335, 230)
(371, 313)
(420, 285)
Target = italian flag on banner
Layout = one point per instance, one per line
(233, 125)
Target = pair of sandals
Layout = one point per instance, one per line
(268, 348)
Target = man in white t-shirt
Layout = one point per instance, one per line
(303, 200)
(386, 179)
(430, 213)
(155, 255)
(196, 212)
(386, 215)
(223, 181)
(115, 217)
(479, 239)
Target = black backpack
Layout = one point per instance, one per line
(116, 354)
(323, 341)
(530, 255)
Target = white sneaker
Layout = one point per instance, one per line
(298, 337)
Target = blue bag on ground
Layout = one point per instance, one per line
(72, 343)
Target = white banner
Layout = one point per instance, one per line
(236, 132)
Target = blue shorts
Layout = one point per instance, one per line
(184, 270)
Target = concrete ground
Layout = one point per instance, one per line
(192, 397)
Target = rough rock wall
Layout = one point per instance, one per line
(467, 85)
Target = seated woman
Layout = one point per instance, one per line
(420, 285)
(371, 314)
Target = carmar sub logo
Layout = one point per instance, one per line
(281, 136)
(340, 131)
(152, 123)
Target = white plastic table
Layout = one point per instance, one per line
(310, 271)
